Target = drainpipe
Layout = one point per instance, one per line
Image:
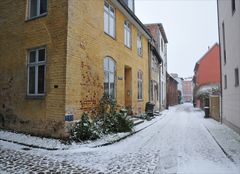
(220, 53)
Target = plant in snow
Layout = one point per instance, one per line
(85, 130)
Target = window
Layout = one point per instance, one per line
(224, 46)
(225, 81)
(236, 77)
(233, 6)
(109, 77)
(130, 4)
(139, 43)
(140, 85)
(37, 8)
(36, 71)
(127, 34)
(109, 19)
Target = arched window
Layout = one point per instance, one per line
(109, 77)
(140, 85)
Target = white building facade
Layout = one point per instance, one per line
(229, 36)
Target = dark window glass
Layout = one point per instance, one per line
(225, 81)
(43, 6)
(236, 77)
(233, 6)
(31, 80)
(32, 57)
(33, 8)
(41, 74)
(41, 55)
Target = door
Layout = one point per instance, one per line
(128, 87)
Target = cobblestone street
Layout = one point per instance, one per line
(181, 142)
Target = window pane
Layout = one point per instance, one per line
(106, 90)
(111, 66)
(41, 55)
(43, 6)
(106, 79)
(112, 27)
(112, 11)
(33, 8)
(112, 89)
(31, 82)
(106, 64)
(111, 77)
(105, 22)
(32, 56)
(41, 77)
(106, 6)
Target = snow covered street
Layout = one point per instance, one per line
(181, 142)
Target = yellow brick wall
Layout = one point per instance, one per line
(87, 45)
(38, 116)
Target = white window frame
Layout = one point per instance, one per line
(139, 44)
(140, 85)
(108, 71)
(109, 17)
(38, 9)
(127, 34)
(36, 64)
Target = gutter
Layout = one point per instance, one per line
(221, 111)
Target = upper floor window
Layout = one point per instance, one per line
(109, 19)
(140, 85)
(224, 44)
(225, 81)
(109, 77)
(36, 71)
(37, 8)
(127, 34)
(236, 77)
(233, 6)
(139, 44)
(130, 4)
(162, 44)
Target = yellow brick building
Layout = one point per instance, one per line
(58, 57)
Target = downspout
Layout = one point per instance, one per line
(149, 69)
(220, 53)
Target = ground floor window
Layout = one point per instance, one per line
(140, 85)
(109, 77)
(36, 71)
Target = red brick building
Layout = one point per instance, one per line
(207, 75)
(172, 91)
(207, 69)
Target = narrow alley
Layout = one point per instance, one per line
(181, 142)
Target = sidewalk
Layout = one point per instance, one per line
(55, 144)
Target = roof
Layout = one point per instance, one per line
(161, 28)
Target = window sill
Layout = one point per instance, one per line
(35, 97)
(130, 48)
(140, 100)
(36, 17)
(114, 38)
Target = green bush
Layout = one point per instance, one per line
(107, 121)
(85, 130)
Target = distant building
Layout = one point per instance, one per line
(187, 90)
(172, 91)
(207, 76)
(161, 41)
(179, 86)
(229, 36)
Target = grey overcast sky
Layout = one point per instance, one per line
(190, 25)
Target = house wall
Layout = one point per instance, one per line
(187, 91)
(230, 95)
(40, 116)
(88, 45)
(208, 71)
(157, 35)
(172, 91)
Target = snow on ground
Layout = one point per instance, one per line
(181, 142)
